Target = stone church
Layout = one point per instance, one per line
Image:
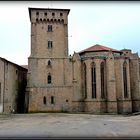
(98, 79)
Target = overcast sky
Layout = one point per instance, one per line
(112, 24)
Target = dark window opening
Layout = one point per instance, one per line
(102, 80)
(93, 79)
(62, 20)
(49, 62)
(67, 100)
(40, 19)
(44, 100)
(37, 13)
(58, 20)
(36, 19)
(53, 14)
(44, 19)
(55, 20)
(85, 83)
(16, 71)
(61, 14)
(45, 14)
(48, 19)
(50, 44)
(125, 80)
(52, 99)
(49, 79)
(49, 28)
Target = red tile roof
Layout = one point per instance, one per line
(97, 48)
(24, 66)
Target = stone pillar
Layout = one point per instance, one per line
(33, 39)
(111, 84)
(98, 79)
(127, 104)
(128, 80)
(135, 84)
(88, 78)
(101, 102)
(76, 70)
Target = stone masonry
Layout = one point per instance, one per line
(98, 79)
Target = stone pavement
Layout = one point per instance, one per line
(54, 125)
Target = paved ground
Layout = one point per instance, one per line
(56, 125)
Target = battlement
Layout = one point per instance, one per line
(41, 15)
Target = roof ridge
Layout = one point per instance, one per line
(99, 47)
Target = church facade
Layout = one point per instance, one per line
(98, 79)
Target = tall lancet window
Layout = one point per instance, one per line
(84, 80)
(93, 80)
(49, 79)
(102, 69)
(125, 79)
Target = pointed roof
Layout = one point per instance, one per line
(97, 48)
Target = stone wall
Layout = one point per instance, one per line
(13, 83)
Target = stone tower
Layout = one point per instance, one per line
(49, 83)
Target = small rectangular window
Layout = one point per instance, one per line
(52, 99)
(49, 28)
(50, 44)
(44, 100)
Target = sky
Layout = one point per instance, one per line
(112, 24)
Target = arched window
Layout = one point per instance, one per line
(49, 79)
(44, 100)
(62, 20)
(84, 80)
(93, 80)
(102, 69)
(125, 79)
(49, 62)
